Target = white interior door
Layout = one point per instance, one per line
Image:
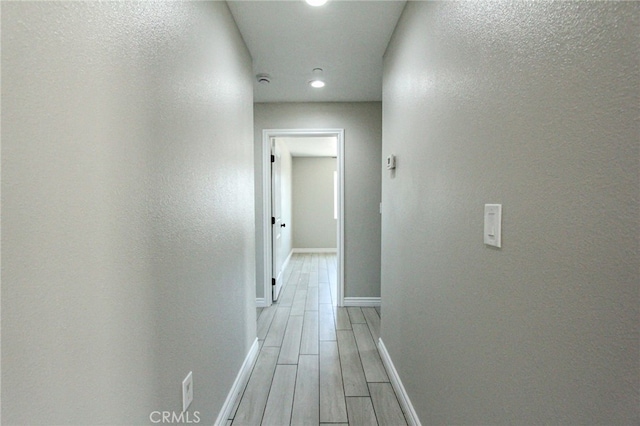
(277, 224)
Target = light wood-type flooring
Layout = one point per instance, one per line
(318, 364)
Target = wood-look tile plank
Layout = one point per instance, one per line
(309, 343)
(332, 260)
(323, 273)
(299, 302)
(332, 403)
(291, 342)
(306, 408)
(306, 265)
(385, 403)
(333, 282)
(342, 319)
(295, 263)
(280, 402)
(255, 395)
(264, 321)
(304, 280)
(313, 279)
(278, 325)
(327, 327)
(289, 290)
(355, 315)
(355, 383)
(313, 272)
(360, 411)
(312, 298)
(324, 293)
(373, 321)
(236, 404)
(371, 363)
(379, 311)
(298, 259)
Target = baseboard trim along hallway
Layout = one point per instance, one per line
(363, 302)
(405, 402)
(238, 385)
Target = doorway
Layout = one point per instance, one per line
(273, 224)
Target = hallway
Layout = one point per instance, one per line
(318, 363)
(134, 240)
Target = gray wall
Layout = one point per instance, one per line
(535, 106)
(362, 122)
(313, 195)
(127, 216)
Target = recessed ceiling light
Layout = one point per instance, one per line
(316, 80)
(316, 2)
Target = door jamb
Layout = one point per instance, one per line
(267, 135)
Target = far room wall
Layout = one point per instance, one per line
(314, 224)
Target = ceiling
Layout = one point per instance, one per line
(288, 39)
(311, 146)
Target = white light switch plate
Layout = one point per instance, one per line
(187, 391)
(493, 224)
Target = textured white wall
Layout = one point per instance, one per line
(127, 231)
(313, 222)
(362, 122)
(535, 106)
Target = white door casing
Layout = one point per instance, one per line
(277, 246)
(268, 258)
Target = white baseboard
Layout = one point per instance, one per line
(365, 302)
(405, 402)
(314, 250)
(286, 261)
(238, 385)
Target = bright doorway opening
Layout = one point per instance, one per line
(302, 144)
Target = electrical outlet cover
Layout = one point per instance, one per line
(187, 391)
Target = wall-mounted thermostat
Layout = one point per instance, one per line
(391, 162)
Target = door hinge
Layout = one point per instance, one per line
(273, 281)
(273, 220)
(273, 158)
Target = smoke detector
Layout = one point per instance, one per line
(263, 78)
